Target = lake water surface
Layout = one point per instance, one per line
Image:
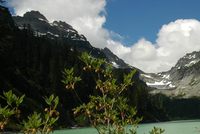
(173, 127)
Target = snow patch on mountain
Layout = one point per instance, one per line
(158, 81)
(191, 63)
(41, 19)
(115, 64)
(190, 56)
(166, 76)
(147, 76)
(56, 35)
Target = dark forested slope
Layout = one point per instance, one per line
(32, 64)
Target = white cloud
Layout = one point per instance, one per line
(118, 48)
(174, 41)
(88, 17)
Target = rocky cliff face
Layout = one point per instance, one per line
(41, 26)
(182, 80)
(114, 60)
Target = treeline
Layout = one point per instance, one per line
(177, 108)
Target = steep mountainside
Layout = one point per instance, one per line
(182, 80)
(32, 64)
(114, 60)
(64, 32)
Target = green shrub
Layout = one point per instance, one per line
(43, 123)
(11, 109)
(36, 122)
(109, 111)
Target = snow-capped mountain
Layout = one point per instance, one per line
(41, 26)
(159, 81)
(60, 30)
(182, 80)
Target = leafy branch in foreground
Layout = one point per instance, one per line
(43, 124)
(11, 109)
(69, 79)
(109, 111)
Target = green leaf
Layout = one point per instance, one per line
(6, 112)
(34, 121)
(19, 100)
(56, 101)
(53, 120)
(47, 101)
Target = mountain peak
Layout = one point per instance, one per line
(41, 27)
(183, 79)
(35, 15)
(188, 60)
(62, 24)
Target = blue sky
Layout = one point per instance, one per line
(134, 19)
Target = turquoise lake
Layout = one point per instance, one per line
(173, 127)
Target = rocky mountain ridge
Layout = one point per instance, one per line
(41, 26)
(60, 30)
(182, 80)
